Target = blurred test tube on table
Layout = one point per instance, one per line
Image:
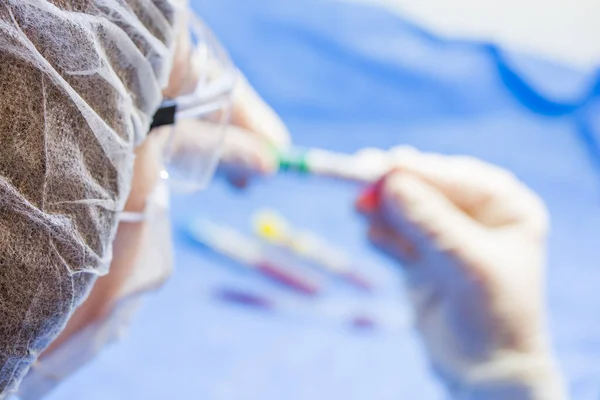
(272, 227)
(250, 253)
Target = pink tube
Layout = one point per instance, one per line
(357, 281)
(288, 278)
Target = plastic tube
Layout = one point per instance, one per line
(273, 228)
(249, 252)
(363, 167)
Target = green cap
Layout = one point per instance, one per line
(293, 160)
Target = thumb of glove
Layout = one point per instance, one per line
(426, 217)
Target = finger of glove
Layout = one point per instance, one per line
(390, 242)
(247, 154)
(426, 217)
(251, 113)
(489, 194)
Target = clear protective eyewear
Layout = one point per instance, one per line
(198, 120)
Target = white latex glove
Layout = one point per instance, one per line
(472, 240)
(253, 136)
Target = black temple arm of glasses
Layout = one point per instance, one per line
(165, 114)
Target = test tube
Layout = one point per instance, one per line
(273, 228)
(363, 167)
(249, 252)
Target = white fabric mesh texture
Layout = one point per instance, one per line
(79, 82)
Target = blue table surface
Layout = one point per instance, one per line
(345, 76)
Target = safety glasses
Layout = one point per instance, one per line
(198, 121)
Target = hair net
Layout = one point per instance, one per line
(79, 82)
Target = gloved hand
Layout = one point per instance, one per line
(252, 138)
(472, 239)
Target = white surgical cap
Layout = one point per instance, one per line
(79, 82)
